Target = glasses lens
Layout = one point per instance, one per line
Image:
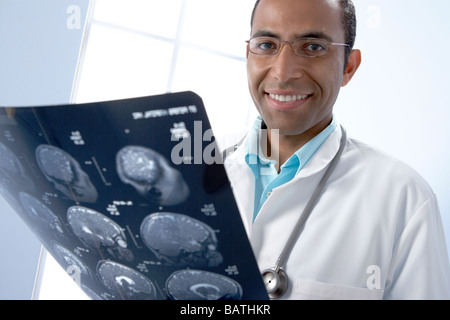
(305, 47)
(264, 45)
(311, 47)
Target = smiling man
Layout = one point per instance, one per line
(327, 216)
(295, 90)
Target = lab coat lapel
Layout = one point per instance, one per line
(244, 182)
(282, 209)
(244, 190)
(316, 166)
(323, 156)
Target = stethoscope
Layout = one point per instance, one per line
(276, 279)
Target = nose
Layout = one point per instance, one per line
(286, 65)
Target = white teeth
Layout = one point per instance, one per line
(283, 98)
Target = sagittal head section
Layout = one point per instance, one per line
(125, 283)
(98, 232)
(68, 259)
(66, 174)
(9, 162)
(180, 240)
(12, 172)
(41, 216)
(151, 175)
(202, 285)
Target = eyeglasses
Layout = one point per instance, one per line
(304, 47)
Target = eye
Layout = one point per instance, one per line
(314, 48)
(267, 45)
(263, 45)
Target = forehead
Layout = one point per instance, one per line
(292, 18)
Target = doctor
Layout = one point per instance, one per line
(374, 231)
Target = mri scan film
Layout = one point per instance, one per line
(112, 192)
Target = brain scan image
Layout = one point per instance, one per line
(66, 174)
(202, 285)
(98, 232)
(151, 175)
(9, 162)
(40, 215)
(68, 259)
(180, 240)
(125, 283)
(11, 169)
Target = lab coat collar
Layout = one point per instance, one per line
(318, 162)
(323, 156)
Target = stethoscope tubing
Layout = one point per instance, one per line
(287, 249)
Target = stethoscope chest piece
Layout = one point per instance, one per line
(276, 282)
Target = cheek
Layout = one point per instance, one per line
(255, 75)
(329, 80)
(250, 75)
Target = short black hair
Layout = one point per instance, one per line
(348, 22)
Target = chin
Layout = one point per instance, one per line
(284, 128)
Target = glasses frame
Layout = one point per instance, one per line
(282, 43)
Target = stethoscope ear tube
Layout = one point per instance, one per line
(275, 279)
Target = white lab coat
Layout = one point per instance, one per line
(375, 233)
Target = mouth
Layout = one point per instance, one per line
(289, 98)
(287, 101)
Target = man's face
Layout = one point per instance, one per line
(316, 80)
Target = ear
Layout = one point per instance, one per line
(354, 60)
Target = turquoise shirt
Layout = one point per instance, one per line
(264, 170)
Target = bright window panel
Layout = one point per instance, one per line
(150, 16)
(119, 64)
(224, 96)
(218, 25)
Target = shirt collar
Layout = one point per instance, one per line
(305, 153)
(255, 158)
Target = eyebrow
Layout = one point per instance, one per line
(264, 33)
(312, 34)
